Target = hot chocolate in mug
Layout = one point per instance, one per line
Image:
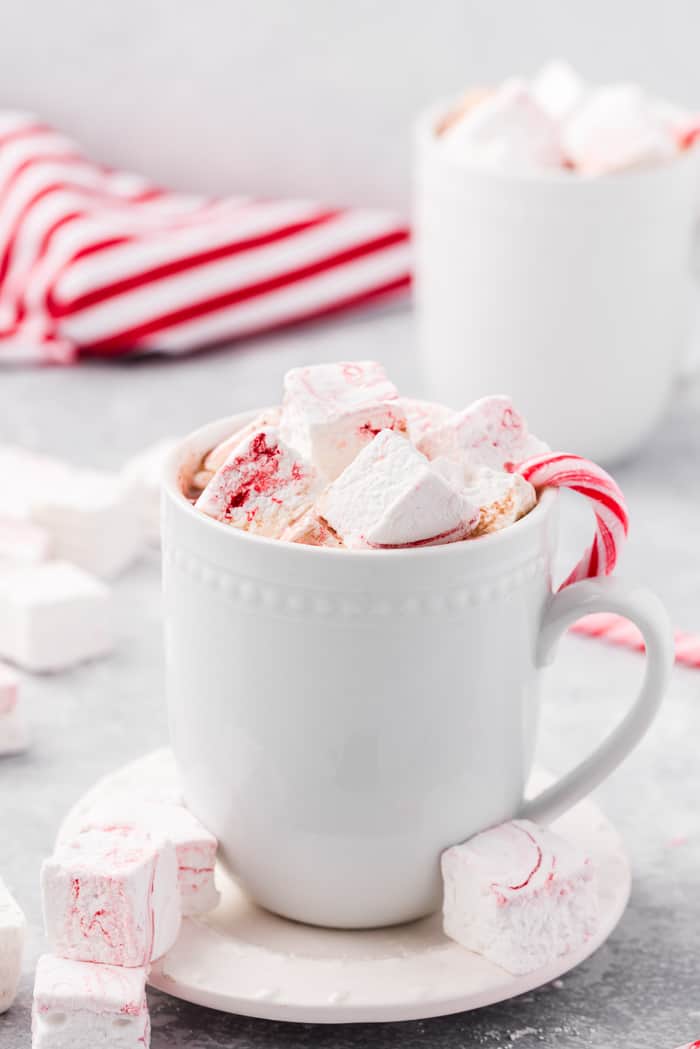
(339, 717)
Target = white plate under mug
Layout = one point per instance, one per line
(242, 959)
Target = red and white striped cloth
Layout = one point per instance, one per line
(100, 262)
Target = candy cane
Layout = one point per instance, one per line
(560, 470)
(618, 631)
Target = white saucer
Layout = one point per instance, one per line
(241, 959)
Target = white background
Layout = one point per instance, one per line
(313, 97)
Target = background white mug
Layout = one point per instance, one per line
(340, 717)
(574, 294)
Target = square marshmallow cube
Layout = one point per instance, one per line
(519, 895)
(507, 131)
(80, 1005)
(142, 476)
(501, 498)
(12, 927)
(22, 542)
(112, 896)
(14, 737)
(195, 847)
(9, 689)
(218, 456)
(391, 496)
(616, 128)
(88, 515)
(558, 89)
(331, 411)
(92, 522)
(490, 432)
(52, 616)
(263, 486)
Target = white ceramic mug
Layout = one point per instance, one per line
(573, 294)
(340, 717)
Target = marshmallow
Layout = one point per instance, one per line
(22, 541)
(263, 486)
(616, 128)
(390, 496)
(331, 411)
(218, 456)
(311, 530)
(490, 432)
(12, 926)
(9, 689)
(508, 131)
(90, 517)
(558, 89)
(78, 1004)
(519, 895)
(422, 417)
(473, 97)
(111, 896)
(195, 847)
(142, 476)
(52, 615)
(14, 737)
(501, 498)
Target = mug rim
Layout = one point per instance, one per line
(170, 486)
(425, 137)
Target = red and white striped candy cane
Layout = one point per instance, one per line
(561, 470)
(618, 631)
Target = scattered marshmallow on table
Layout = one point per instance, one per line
(13, 731)
(112, 896)
(263, 486)
(390, 496)
(519, 895)
(52, 616)
(490, 432)
(88, 515)
(331, 411)
(507, 131)
(142, 476)
(12, 927)
(22, 542)
(91, 519)
(79, 1004)
(616, 128)
(195, 847)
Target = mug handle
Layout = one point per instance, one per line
(647, 612)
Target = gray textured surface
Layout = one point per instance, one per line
(642, 988)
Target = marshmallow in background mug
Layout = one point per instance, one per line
(519, 895)
(558, 89)
(262, 487)
(490, 432)
(331, 411)
(12, 928)
(195, 847)
(112, 896)
(391, 496)
(616, 128)
(508, 131)
(142, 476)
(78, 1004)
(52, 616)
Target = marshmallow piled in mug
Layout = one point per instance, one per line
(347, 462)
(556, 120)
